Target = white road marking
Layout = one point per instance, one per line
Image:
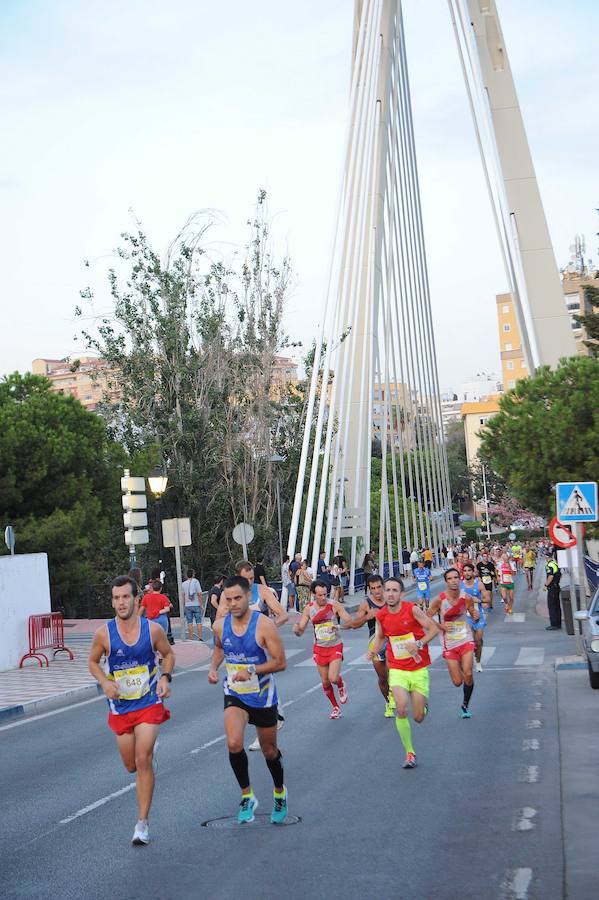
(530, 744)
(293, 651)
(530, 656)
(515, 617)
(529, 774)
(205, 746)
(523, 820)
(52, 712)
(536, 706)
(516, 884)
(534, 723)
(435, 652)
(101, 802)
(487, 654)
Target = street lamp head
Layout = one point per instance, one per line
(276, 458)
(157, 481)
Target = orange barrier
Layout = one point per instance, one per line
(46, 632)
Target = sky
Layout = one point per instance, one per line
(114, 112)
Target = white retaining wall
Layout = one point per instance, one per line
(24, 592)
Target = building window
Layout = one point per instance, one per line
(482, 421)
(510, 364)
(506, 308)
(511, 384)
(507, 327)
(508, 346)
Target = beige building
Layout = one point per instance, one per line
(513, 364)
(573, 285)
(83, 377)
(475, 416)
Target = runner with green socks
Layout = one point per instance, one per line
(409, 631)
(366, 613)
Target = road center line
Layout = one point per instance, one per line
(101, 802)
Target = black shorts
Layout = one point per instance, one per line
(259, 716)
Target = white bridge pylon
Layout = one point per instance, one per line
(375, 354)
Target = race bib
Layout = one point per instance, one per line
(398, 642)
(487, 579)
(422, 586)
(325, 631)
(508, 578)
(456, 631)
(251, 686)
(132, 683)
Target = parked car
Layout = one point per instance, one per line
(590, 637)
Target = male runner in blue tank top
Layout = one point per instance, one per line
(130, 682)
(250, 645)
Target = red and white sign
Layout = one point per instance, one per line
(561, 534)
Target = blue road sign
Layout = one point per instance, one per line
(576, 501)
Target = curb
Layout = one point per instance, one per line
(54, 701)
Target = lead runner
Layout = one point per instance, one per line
(409, 631)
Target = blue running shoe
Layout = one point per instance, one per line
(465, 713)
(279, 808)
(247, 807)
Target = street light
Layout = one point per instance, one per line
(277, 458)
(158, 482)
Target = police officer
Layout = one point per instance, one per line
(552, 580)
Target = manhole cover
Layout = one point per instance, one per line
(262, 820)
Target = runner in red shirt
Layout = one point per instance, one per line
(456, 635)
(155, 605)
(409, 632)
(328, 647)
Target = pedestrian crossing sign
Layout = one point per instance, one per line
(576, 501)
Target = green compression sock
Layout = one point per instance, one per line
(405, 733)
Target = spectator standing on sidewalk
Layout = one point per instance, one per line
(552, 580)
(192, 594)
(214, 597)
(260, 571)
(155, 605)
(427, 555)
(405, 561)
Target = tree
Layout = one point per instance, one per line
(496, 486)
(59, 483)
(590, 321)
(191, 345)
(457, 462)
(547, 430)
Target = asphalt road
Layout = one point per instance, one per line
(479, 818)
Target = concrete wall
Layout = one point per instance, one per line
(24, 592)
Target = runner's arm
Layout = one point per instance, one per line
(472, 608)
(97, 651)
(267, 636)
(161, 644)
(362, 615)
(379, 640)
(430, 628)
(345, 617)
(217, 654)
(300, 627)
(435, 609)
(270, 598)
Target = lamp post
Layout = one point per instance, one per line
(486, 500)
(158, 482)
(276, 458)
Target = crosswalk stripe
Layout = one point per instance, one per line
(488, 653)
(530, 656)
(435, 652)
(293, 652)
(516, 617)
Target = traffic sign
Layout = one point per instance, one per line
(176, 532)
(9, 539)
(576, 501)
(561, 534)
(243, 533)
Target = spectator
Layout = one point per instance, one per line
(368, 566)
(405, 561)
(552, 581)
(303, 580)
(285, 581)
(214, 597)
(157, 574)
(155, 605)
(414, 557)
(192, 594)
(260, 571)
(427, 556)
(343, 574)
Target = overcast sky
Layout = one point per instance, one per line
(166, 108)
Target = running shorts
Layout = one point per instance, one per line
(325, 655)
(458, 652)
(416, 680)
(508, 587)
(259, 716)
(150, 715)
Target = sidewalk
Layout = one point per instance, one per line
(33, 689)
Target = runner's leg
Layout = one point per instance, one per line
(402, 722)
(145, 737)
(327, 687)
(419, 706)
(467, 661)
(383, 677)
(272, 754)
(455, 672)
(235, 721)
(126, 745)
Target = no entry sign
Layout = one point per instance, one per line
(561, 535)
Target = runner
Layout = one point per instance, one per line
(366, 612)
(328, 647)
(263, 600)
(473, 587)
(530, 561)
(454, 609)
(155, 605)
(488, 575)
(250, 645)
(506, 583)
(133, 689)
(422, 574)
(409, 631)
(517, 554)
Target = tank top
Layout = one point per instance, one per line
(324, 623)
(472, 591)
(372, 626)
(506, 574)
(240, 652)
(133, 668)
(400, 628)
(423, 578)
(455, 616)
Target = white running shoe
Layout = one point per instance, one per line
(141, 835)
(255, 745)
(478, 667)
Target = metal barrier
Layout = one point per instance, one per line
(46, 632)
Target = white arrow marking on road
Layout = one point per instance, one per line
(530, 656)
(524, 819)
(534, 723)
(530, 774)
(531, 744)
